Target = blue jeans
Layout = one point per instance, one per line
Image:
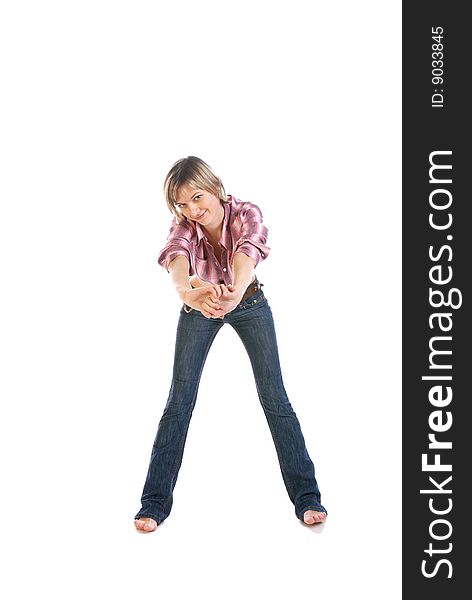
(253, 322)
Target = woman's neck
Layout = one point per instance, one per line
(214, 232)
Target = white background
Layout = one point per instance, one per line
(296, 105)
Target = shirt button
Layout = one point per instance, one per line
(224, 269)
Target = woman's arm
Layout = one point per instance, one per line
(243, 272)
(204, 299)
(179, 270)
(196, 282)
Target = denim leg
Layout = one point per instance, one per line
(255, 327)
(195, 334)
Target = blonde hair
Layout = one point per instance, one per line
(196, 173)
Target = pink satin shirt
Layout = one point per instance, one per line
(242, 231)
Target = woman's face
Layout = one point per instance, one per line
(200, 206)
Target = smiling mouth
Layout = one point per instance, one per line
(200, 216)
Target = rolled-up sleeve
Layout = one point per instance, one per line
(253, 236)
(179, 241)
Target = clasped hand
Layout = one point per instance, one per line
(213, 301)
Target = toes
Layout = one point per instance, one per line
(308, 518)
(313, 516)
(145, 524)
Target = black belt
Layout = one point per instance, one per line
(251, 289)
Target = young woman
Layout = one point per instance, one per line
(214, 245)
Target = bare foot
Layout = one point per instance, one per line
(145, 524)
(310, 517)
